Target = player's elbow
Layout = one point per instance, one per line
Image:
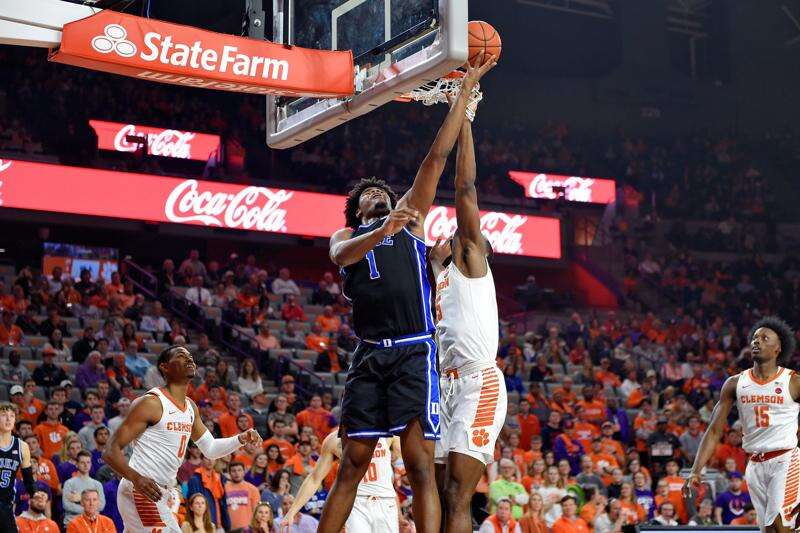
(465, 184)
(336, 254)
(339, 257)
(437, 154)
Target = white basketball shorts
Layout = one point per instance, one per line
(373, 514)
(774, 487)
(473, 411)
(140, 515)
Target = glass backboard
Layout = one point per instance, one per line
(397, 45)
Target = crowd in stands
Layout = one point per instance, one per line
(604, 409)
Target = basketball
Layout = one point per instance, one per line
(483, 38)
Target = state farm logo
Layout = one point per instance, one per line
(165, 143)
(575, 189)
(168, 50)
(114, 39)
(499, 228)
(255, 208)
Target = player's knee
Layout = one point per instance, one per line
(420, 470)
(353, 467)
(456, 498)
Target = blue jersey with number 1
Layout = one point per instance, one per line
(389, 288)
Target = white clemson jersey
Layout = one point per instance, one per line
(767, 411)
(466, 318)
(159, 452)
(379, 479)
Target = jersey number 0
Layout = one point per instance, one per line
(762, 415)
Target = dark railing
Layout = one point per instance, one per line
(307, 383)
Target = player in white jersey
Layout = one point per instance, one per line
(375, 509)
(159, 426)
(766, 397)
(473, 397)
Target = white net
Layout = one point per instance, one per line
(437, 91)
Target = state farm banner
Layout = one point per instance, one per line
(127, 195)
(164, 142)
(573, 188)
(172, 53)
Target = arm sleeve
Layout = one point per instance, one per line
(27, 478)
(216, 448)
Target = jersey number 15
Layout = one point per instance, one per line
(762, 415)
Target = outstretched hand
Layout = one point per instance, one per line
(250, 436)
(440, 251)
(475, 73)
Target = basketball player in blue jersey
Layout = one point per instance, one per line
(392, 385)
(14, 453)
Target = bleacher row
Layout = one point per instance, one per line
(302, 358)
(30, 353)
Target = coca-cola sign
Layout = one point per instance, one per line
(571, 188)
(252, 208)
(164, 142)
(502, 229)
(126, 195)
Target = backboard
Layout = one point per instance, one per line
(397, 45)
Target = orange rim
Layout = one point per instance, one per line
(406, 97)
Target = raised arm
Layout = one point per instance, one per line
(144, 412)
(27, 469)
(423, 190)
(313, 481)
(472, 244)
(713, 434)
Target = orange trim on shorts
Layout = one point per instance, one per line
(487, 403)
(754, 378)
(792, 483)
(147, 511)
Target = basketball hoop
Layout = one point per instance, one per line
(437, 91)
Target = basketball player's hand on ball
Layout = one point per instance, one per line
(148, 487)
(398, 219)
(474, 74)
(250, 436)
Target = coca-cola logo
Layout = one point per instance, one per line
(500, 228)
(252, 208)
(575, 189)
(165, 143)
(4, 165)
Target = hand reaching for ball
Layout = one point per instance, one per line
(476, 72)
